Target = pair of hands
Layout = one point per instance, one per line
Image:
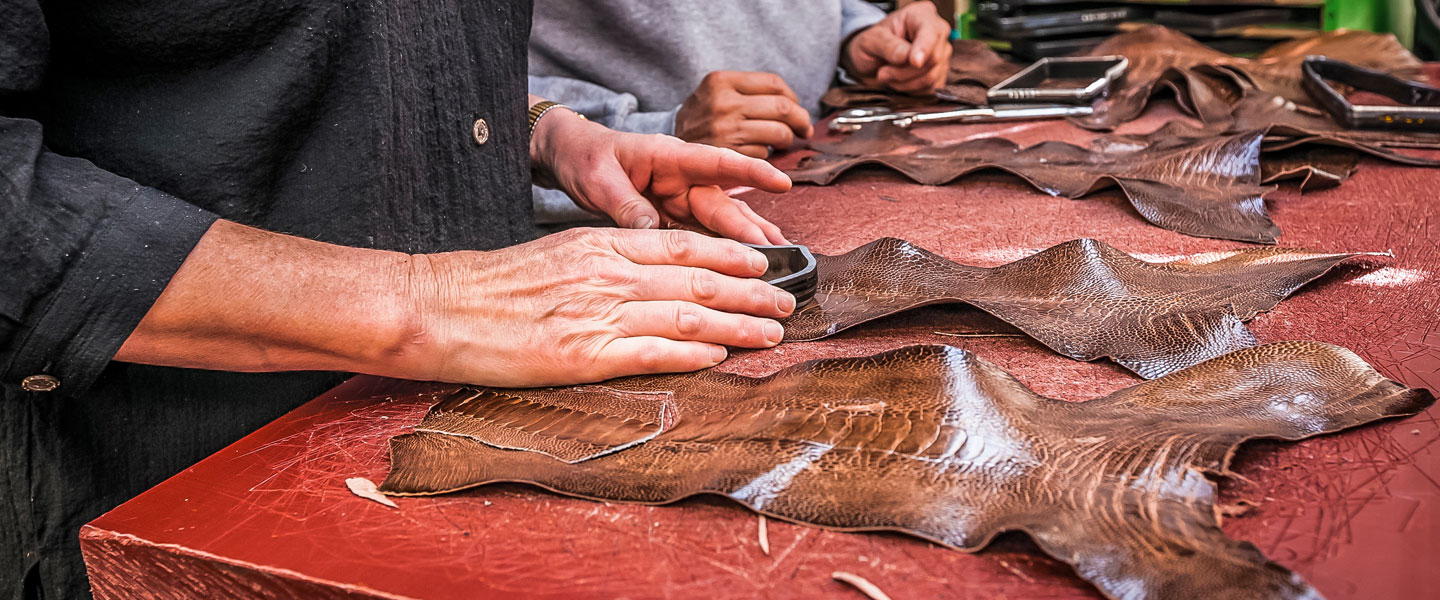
(592, 304)
(752, 112)
(588, 305)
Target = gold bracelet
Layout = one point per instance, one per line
(543, 107)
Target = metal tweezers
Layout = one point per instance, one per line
(852, 119)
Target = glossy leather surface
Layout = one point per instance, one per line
(1201, 185)
(930, 441)
(1083, 298)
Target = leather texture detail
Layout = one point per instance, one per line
(1201, 185)
(939, 444)
(1083, 298)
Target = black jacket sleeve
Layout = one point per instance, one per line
(84, 253)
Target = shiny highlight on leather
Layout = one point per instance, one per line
(1083, 298)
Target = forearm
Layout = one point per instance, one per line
(555, 128)
(252, 300)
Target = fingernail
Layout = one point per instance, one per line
(774, 332)
(644, 223)
(717, 354)
(785, 302)
(758, 263)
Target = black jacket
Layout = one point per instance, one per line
(127, 127)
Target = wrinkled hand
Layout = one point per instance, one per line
(749, 112)
(645, 181)
(907, 52)
(588, 305)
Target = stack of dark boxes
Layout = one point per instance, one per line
(1033, 29)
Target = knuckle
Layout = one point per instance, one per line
(607, 273)
(687, 319)
(678, 245)
(651, 357)
(703, 287)
(783, 106)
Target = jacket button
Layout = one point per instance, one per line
(481, 131)
(39, 383)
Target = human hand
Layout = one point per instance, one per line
(909, 51)
(587, 305)
(641, 181)
(749, 112)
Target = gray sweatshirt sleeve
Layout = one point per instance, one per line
(856, 15)
(616, 110)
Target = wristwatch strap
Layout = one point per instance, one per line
(542, 107)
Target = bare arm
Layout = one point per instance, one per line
(583, 305)
(251, 300)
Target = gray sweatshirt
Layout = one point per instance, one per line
(629, 64)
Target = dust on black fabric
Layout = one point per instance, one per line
(126, 128)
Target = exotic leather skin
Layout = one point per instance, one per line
(930, 441)
(1208, 83)
(1083, 298)
(1207, 186)
(1315, 166)
(1288, 125)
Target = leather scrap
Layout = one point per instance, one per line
(937, 443)
(1207, 186)
(1288, 125)
(1083, 298)
(1208, 83)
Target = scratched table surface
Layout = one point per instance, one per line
(1357, 513)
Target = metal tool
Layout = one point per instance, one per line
(1071, 80)
(1420, 108)
(792, 268)
(853, 119)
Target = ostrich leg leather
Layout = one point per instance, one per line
(933, 442)
(1208, 83)
(1203, 186)
(1082, 298)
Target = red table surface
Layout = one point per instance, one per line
(1357, 513)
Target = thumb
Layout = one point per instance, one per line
(884, 45)
(617, 198)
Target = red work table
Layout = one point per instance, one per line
(1356, 513)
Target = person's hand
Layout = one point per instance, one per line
(646, 181)
(749, 112)
(587, 305)
(907, 52)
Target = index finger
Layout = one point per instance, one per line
(777, 108)
(699, 164)
(925, 33)
(688, 249)
(759, 82)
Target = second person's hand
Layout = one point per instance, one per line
(749, 112)
(645, 181)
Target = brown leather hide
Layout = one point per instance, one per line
(1083, 298)
(1206, 186)
(931, 441)
(1208, 83)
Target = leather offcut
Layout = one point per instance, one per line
(1200, 185)
(1083, 298)
(937, 443)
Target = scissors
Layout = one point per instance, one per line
(853, 119)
